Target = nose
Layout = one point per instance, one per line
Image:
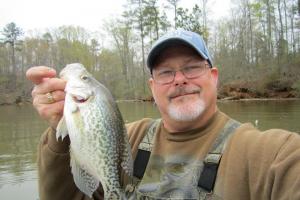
(179, 78)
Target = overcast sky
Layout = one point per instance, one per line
(90, 14)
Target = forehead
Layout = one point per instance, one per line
(178, 50)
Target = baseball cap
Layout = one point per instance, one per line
(180, 36)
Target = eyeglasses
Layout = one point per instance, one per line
(167, 75)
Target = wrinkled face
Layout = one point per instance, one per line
(184, 99)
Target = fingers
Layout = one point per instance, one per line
(51, 112)
(49, 85)
(50, 109)
(46, 111)
(49, 106)
(37, 74)
(57, 95)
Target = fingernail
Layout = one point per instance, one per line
(52, 71)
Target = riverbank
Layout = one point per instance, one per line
(229, 92)
(14, 99)
(246, 95)
(275, 89)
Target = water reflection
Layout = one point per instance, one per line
(132, 111)
(283, 114)
(20, 129)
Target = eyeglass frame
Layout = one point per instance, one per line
(183, 72)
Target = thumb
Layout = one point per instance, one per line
(37, 74)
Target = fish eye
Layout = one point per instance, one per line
(84, 77)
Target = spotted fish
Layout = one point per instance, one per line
(99, 147)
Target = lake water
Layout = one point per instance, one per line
(20, 129)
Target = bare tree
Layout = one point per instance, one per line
(174, 3)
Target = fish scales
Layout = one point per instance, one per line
(99, 146)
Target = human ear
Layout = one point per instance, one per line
(150, 83)
(215, 75)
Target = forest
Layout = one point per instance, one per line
(256, 48)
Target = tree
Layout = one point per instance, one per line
(259, 37)
(47, 43)
(122, 35)
(204, 13)
(72, 45)
(4, 60)
(269, 17)
(151, 14)
(136, 14)
(95, 48)
(155, 22)
(12, 34)
(174, 3)
(191, 21)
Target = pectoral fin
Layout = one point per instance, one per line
(83, 180)
(61, 130)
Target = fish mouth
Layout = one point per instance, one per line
(80, 99)
(79, 95)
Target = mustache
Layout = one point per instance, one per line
(179, 91)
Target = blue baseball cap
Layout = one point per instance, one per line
(179, 36)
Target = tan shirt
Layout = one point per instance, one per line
(255, 165)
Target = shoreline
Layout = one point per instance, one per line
(261, 99)
(25, 101)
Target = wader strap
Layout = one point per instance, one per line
(144, 151)
(212, 160)
(140, 163)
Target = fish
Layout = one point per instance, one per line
(99, 147)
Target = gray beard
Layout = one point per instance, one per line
(187, 111)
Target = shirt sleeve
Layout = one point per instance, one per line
(285, 170)
(260, 165)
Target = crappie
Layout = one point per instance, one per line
(99, 145)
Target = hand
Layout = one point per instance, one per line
(48, 93)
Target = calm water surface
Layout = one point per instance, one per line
(20, 129)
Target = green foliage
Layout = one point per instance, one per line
(4, 60)
(156, 21)
(256, 9)
(191, 21)
(3, 79)
(11, 33)
(251, 46)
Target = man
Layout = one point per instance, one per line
(197, 152)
